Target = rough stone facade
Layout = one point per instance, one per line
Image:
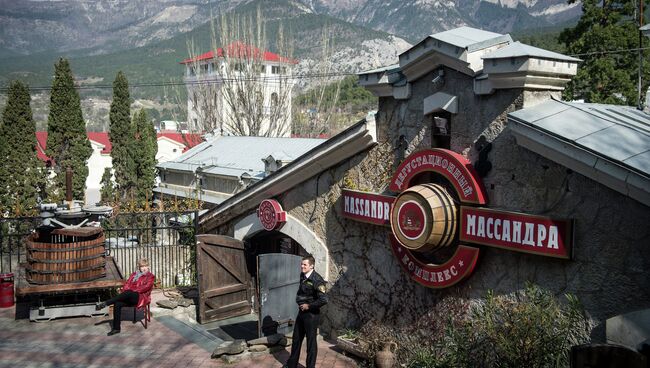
(608, 269)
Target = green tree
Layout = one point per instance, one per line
(121, 135)
(107, 190)
(145, 147)
(67, 142)
(606, 77)
(21, 172)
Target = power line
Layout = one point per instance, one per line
(216, 80)
(611, 51)
(203, 81)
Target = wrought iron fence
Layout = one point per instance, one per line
(166, 239)
(12, 234)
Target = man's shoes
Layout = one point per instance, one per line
(113, 332)
(100, 306)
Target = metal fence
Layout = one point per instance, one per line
(12, 246)
(166, 239)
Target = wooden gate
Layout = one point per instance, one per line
(223, 278)
(279, 278)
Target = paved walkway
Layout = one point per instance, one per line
(82, 342)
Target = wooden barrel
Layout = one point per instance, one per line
(65, 256)
(424, 218)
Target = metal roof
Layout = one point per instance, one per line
(470, 38)
(234, 156)
(517, 49)
(608, 143)
(380, 70)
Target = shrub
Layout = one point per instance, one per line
(528, 329)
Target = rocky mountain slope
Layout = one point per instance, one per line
(353, 49)
(102, 26)
(414, 19)
(29, 26)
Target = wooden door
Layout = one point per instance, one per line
(223, 278)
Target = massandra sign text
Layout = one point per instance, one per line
(477, 224)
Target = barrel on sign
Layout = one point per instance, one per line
(424, 218)
(65, 256)
(6, 290)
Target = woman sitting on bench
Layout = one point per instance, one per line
(136, 292)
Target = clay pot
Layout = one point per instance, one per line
(386, 357)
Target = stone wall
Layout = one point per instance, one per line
(366, 281)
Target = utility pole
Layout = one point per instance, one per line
(639, 104)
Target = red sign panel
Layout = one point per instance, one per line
(367, 207)
(271, 214)
(449, 164)
(457, 268)
(516, 231)
(411, 220)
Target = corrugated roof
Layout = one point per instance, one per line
(620, 133)
(233, 156)
(517, 49)
(381, 70)
(467, 37)
(608, 143)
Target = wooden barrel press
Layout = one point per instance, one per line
(66, 255)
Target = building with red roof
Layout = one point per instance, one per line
(170, 146)
(238, 79)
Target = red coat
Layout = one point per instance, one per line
(142, 286)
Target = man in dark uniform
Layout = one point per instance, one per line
(310, 298)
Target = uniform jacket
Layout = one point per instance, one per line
(142, 286)
(312, 292)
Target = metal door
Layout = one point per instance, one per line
(223, 278)
(279, 278)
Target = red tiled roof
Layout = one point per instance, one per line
(41, 141)
(241, 50)
(189, 140)
(101, 138)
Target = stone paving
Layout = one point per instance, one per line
(82, 342)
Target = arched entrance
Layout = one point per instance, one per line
(250, 227)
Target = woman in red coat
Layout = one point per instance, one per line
(136, 292)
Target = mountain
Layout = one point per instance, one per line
(100, 26)
(356, 48)
(155, 75)
(415, 19)
(147, 39)
(104, 26)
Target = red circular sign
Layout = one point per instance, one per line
(412, 220)
(271, 214)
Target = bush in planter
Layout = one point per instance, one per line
(531, 328)
(528, 329)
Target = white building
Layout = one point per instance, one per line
(170, 146)
(263, 77)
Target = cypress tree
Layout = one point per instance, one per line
(107, 190)
(20, 169)
(121, 135)
(145, 147)
(67, 142)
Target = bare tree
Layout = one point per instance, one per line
(240, 87)
(320, 102)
